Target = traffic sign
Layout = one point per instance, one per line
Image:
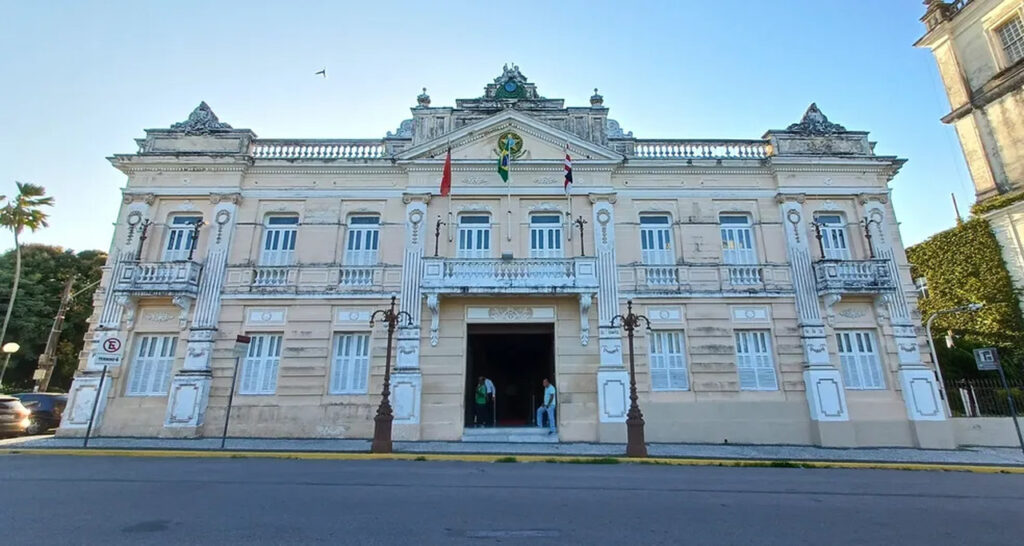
(110, 351)
(987, 359)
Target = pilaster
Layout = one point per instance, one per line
(612, 378)
(190, 387)
(407, 381)
(826, 397)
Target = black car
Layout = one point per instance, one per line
(46, 408)
(14, 417)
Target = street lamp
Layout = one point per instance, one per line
(382, 421)
(8, 349)
(969, 308)
(635, 445)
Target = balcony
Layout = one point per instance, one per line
(704, 278)
(159, 278)
(509, 276)
(853, 276)
(312, 279)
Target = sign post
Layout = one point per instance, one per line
(241, 349)
(987, 359)
(95, 402)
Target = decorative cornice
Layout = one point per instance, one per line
(596, 198)
(416, 197)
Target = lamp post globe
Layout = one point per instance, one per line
(9, 348)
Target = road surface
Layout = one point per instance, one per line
(110, 500)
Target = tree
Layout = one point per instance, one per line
(24, 211)
(47, 268)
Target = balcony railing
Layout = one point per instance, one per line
(484, 275)
(701, 149)
(318, 149)
(319, 278)
(845, 276)
(159, 278)
(705, 278)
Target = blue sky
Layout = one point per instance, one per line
(82, 79)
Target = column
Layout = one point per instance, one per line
(115, 307)
(826, 398)
(612, 376)
(918, 382)
(407, 381)
(190, 387)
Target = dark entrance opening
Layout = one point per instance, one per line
(516, 357)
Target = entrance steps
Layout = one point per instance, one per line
(520, 435)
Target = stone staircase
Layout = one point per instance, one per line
(520, 435)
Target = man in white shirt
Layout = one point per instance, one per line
(489, 386)
(548, 406)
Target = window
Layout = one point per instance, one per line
(363, 240)
(259, 372)
(180, 237)
(656, 240)
(279, 240)
(668, 361)
(754, 361)
(737, 240)
(151, 368)
(546, 236)
(474, 236)
(833, 237)
(1011, 37)
(859, 360)
(351, 366)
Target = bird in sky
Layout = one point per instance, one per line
(322, 72)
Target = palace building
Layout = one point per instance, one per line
(780, 302)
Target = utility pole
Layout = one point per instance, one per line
(48, 360)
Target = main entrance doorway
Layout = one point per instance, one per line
(516, 357)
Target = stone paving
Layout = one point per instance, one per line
(973, 455)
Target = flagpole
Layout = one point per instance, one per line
(568, 202)
(508, 187)
(452, 187)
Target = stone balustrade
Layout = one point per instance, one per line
(312, 279)
(528, 275)
(853, 276)
(701, 149)
(158, 278)
(318, 149)
(704, 278)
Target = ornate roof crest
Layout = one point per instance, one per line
(815, 123)
(202, 121)
(511, 84)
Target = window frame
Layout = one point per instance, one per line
(472, 232)
(282, 236)
(179, 235)
(654, 234)
(363, 235)
(661, 360)
(256, 384)
(150, 365)
(832, 233)
(549, 234)
(851, 338)
(738, 230)
(1003, 48)
(351, 369)
(761, 359)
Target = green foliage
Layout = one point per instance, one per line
(965, 265)
(996, 203)
(44, 272)
(24, 209)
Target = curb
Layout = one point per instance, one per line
(500, 458)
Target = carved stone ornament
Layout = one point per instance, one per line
(233, 198)
(614, 130)
(202, 121)
(511, 313)
(815, 123)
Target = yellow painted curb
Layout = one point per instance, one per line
(495, 458)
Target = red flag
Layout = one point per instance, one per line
(446, 175)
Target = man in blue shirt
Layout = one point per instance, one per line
(548, 406)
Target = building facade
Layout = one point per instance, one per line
(772, 271)
(979, 48)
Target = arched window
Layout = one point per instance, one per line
(279, 240)
(363, 240)
(180, 237)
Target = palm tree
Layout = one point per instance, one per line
(23, 211)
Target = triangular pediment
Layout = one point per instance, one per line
(540, 142)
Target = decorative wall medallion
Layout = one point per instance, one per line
(516, 142)
(474, 181)
(793, 217)
(829, 205)
(511, 313)
(603, 218)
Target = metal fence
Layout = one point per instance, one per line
(983, 397)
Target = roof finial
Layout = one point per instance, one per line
(596, 99)
(423, 99)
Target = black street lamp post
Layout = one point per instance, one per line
(382, 421)
(635, 445)
(579, 223)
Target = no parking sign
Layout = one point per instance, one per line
(109, 352)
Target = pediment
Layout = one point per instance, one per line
(540, 142)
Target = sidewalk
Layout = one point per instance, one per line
(964, 456)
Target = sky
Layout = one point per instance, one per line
(81, 80)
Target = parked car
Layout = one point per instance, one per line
(14, 417)
(46, 408)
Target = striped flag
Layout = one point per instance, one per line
(568, 169)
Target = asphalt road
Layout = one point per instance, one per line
(109, 500)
